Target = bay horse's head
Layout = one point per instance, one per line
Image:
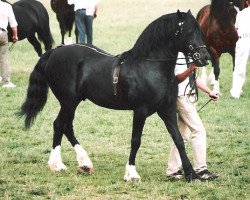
(190, 38)
(238, 3)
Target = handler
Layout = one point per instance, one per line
(189, 123)
(6, 16)
(242, 51)
(85, 12)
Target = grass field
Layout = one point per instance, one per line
(105, 134)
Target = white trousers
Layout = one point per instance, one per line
(242, 54)
(4, 64)
(190, 125)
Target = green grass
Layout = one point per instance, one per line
(105, 134)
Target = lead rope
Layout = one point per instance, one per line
(11, 46)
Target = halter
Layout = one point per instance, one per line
(191, 54)
(195, 55)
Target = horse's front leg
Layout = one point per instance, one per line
(138, 124)
(216, 65)
(170, 120)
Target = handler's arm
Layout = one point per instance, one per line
(212, 94)
(182, 76)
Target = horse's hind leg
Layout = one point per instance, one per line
(64, 124)
(138, 124)
(55, 161)
(36, 44)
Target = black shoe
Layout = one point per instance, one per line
(207, 175)
(175, 176)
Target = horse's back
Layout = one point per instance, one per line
(61, 6)
(31, 6)
(29, 14)
(75, 71)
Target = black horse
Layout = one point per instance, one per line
(32, 18)
(65, 15)
(141, 79)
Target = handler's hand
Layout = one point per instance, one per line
(15, 38)
(214, 95)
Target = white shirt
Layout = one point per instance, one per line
(7, 16)
(242, 22)
(89, 5)
(180, 67)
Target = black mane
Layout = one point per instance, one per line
(160, 34)
(155, 35)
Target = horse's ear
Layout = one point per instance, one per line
(189, 12)
(179, 13)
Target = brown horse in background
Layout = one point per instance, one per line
(217, 23)
(65, 16)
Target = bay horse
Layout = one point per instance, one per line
(143, 81)
(32, 17)
(217, 23)
(65, 15)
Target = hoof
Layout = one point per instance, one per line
(87, 170)
(57, 167)
(192, 177)
(132, 179)
(131, 174)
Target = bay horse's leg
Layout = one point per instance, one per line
(216, 65)
(232, 53)
(138, 124)
(204, 75)
(36, 44)
(170, 120)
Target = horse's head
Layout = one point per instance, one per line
(238, 3)
(190, 38)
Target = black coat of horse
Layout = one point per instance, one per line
(32, 17)
(65, 15)
(217, 23)
(143, 79)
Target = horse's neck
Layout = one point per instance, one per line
(225, 17)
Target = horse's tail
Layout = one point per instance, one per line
(44, 32)
(37, 91)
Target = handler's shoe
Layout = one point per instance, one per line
(175, 176)
(9, 85)
(207, 175)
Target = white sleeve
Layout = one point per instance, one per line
(237, 20)
(70, 2)
(11, 18)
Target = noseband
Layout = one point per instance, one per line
(192, 54)
(195, 55)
